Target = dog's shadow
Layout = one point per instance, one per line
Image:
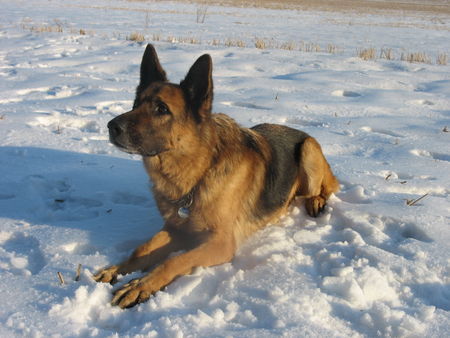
(107, 197)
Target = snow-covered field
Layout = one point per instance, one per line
(372, 265)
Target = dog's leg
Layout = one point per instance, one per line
(144, 257)
(317, 181)
(214, 251)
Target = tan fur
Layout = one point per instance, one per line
(226, 176)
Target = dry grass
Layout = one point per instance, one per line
(61, 278)
(309, 47)
(417, 57)
(81, 31)
(189, 40)
(366, 53)
(442, 59)
(290, 45)
(201, 13)
(232, 43)
(410, 203)
(332, 49)
(412, 57)
(182, 39)
(260, 43)
(136, 37)
(57, 27)
(387, 53)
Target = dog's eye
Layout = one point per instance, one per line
(162, 109)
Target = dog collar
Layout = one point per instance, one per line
(184, 203)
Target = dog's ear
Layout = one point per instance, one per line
(151, 71)
(198, 86)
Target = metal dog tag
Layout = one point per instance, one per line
(183, 212)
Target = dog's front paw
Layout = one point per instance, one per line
(315, 205)
(130, 294)
(108, 275)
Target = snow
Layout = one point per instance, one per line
(370, 266)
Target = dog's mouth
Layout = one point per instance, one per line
(136, 150)
(153, 153)
(122, 147)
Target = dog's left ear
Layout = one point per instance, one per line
(198, 86)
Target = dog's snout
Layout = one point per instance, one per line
(115, 128)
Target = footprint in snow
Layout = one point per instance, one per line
(246, 105)
(113, 107)
(381, 131)
(6, 196)
(62, 92)
(57, 122)
(383, 235)
(79, 248)
(51, 93)
(433, 155)
(421, 102)
(28, 91)
(22, 254)
(129, 199)
(355, 194)
(345, 93)
(86, 110)
(412, 231)
(306, 123)
(434, 293)
(440, 86)
(58, 202)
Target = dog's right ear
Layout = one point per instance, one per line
(198, 86)
(151, 71)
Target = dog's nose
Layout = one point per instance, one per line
(115, 128)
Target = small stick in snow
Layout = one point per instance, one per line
(77, 277)
(445, 130)
(387, 177)
(412, 202)
(61, 279)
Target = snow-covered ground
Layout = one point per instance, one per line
(372, 265)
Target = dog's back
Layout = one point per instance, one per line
(282, 166)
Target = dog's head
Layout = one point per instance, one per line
(165, 116)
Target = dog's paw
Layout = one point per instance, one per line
(130, 294)
(315, 205)
(108, 275)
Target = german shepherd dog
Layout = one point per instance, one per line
(214, 182)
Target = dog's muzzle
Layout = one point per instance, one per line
(115, 129)
(118, 134)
